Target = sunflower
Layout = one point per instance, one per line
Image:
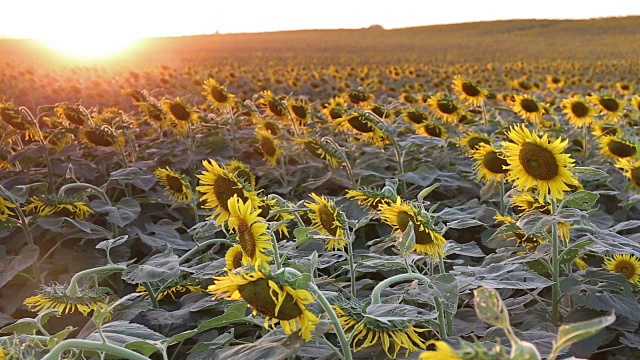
(72, 207)
(635, 102)
(300, 110)
(527, 107)
(336, 108)
(250, 230)
(218, 186)
(415, 115)
(626, 264)
(392, 335)
(269, 126)
(624, 88)
(632, 167)
(72, 114)
(522, 84)
(242, 173)
(55, 296)
(400, 214)
(431, 129)
(444, 108)
(359, 97)
(525, 202)
(101, 136)
(361, 124)
(473, 139)
(181, 114)
(554, 82)
(606, 127)
(274, 105)
(578, 110)
(319, 150)
(278, 301)
(233, 257)
(5, 210)
(443, 352)
(610, 107)
(216, 93)
(615, 148)
(154, 112)
(371, 197)
(469, 91)
(172, 291)
(175, 185)
(269, 146)
(489, 163)
(530, 242)
(270, 210)
(328, 220)
(534, 161)
(13, 117)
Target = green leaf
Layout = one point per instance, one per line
(142, 347)
(490, 308)
(108, 244)
(447, 285)
(500, 276)
(181, 337)
(134, 176)
(54, 222)
(427, 191)
(572, 333)
(236, 312)
(124, 212)
(11, 265)
(407, 241)
(273, 347)
(302, 235)
(582, 200)
(524, 350)
(164, 266)
(589, 173)
(121, 333)
(55, 339)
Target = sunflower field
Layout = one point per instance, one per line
(452, 192)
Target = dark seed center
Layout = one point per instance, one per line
(267, 146)
(327, 220)
(299, 111)
(275, 108)
(218, 95)
(447, 107)
(246, 239)
(621, 149)
(635, 176)
(474, 142)
(224, 189)
(609, 104)
(433, 130)
(98, 138)
(360, 124)
(258, 295)
(538, 162)
(469, 89)
(494, 163)
(179, 111)
(416, 117)
(579, 109)
(529, 105)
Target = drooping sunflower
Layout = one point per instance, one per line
(218, 186)
(269, 125)
(328, 220)
(300, 110)
(101, 136)
(316, 148)
(624, 88)
(469, 91)
(393, 335)
(174, 291)
(578, 110)
(242, 172)
(54, 296)
(443, 107)
(443, 352)
(12, 116)
(72, 114)
(371, 197)
(175, 185)
(274, 105)
(606, 127)
(336, 108)
(250, 230)
(181, 114)
(272, 211)
(67, 206)
(216, 93)
(527, 107)
(472, 140)
(415, 115)
(233, 257)
(609, 107)
(399, 214)
(632, 169)
(615, 148)
(5, 208)
(489, 163)
(269, 145)
(277, 300)
(431, 129)
(626, 264)
(359, 97)
(522, 84)
(361, 125)
(535, 161)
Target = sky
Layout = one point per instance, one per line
(96, 28)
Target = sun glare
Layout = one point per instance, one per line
(88, 46)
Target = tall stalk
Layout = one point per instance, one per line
(555, 268)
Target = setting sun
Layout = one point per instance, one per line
(88, 46)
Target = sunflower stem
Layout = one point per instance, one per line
(352, 267)
(584, 143)
(232, 126)
(342, 337)
(347, 164)
(501, 186)
(375, 294)
(441, 319)
(73, 290)
(120, 352)
(448, 317)
(24, 224)
(47, 159)
(152, 295)
(276, 252)
(484, 113)
(200, 246)
(97, 191)
(555, 266)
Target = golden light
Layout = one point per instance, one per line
(88, 46)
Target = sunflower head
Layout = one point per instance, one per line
(12, 116)
(527, 107)
(233, 258)
(242, 172)
(609, 107)
(300, 110)
(554, 82)
(626, 264)
(175, 290)
(372, 197)
(328, 220)
(400, 214)
(276, 299)
(606, 127)
(101, 136)
(578, 110)
(490, 164)
(5, 208)
(216, 93)
(631, 166)
(274, 105)
(72, 114)
(318, 149)
(530, 242)
(614, 147)
(218, 185)
(175, 185)
(537, 161)
(635, 102)
(393, 335)
(54, 296)
(271, 210)
(180, 113)
(443, 107)
(66, 206)
(415, 115)
(336, 108)
(432, 129)
(469, 91)
(269, 146)
(472, 140)
(359, 96)
(250, 229)
(361, 125)
(443, 351)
